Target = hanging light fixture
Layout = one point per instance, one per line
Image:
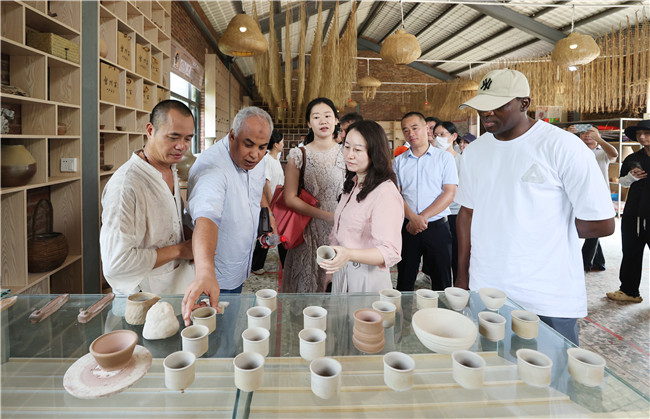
(243, 38)
(400, 47)
(369, 85)
(468, 85)
(427, 106)
(574, 50)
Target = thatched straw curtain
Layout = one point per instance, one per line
(261, 75)
(300, 99)
(316, 58)
(275, 69)
(288, 65)
(330, 63)
(347, 57)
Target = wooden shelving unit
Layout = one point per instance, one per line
(141, 83)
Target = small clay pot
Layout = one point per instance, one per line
(493, 298)
(18, 165)
(372, 348)
(368, 338)
(315, 317)
(61, 129)
(368, 321)
(113, 350)
(457, 298)
(137, 306)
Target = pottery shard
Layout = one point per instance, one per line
(161, 322)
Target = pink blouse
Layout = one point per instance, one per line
(376, 221)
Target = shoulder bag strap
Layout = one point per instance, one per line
(301, 181)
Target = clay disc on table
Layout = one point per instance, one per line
(86, 380)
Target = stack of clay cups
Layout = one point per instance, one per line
(368, 332)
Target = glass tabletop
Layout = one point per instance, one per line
(36, 356)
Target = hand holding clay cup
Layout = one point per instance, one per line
(493, 298)
(256, 339)
(249, 371)
(315, 317)
(325, 377)
(392, 296)
(259, 317)
(195, 339)
(457, 298)
(312, 343)
(534, 367)
(398, 371)
(324, 253)
(267, 298)
(467, 368)
(179, 370)
(525, 324)
(114, 350)
(586, 367)
(387, 311)
(491, 326)
(426, 298)
(206, 316)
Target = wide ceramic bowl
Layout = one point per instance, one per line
(493, 298)
(113, 350)
(444, 331)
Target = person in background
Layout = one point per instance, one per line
(592, 254)
(274, 178)
(368, 219)
(635, 222)
(427, 179)
(528, 191)
(347, 120)
(432, 122)
(324, 176)
(142, 241)
(225, 194)
(464, 141)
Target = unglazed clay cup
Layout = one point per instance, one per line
(491, 326)
(325, 377)
(195, 339)
(586, 367)
(387, 311)
(267, 298)
(392, 296)
(206, 316)
(314, 317)
(256, 339)
(467, 368)
(493, 298)
(398, 371)
(114, 350)
(179, 370)
(325, 253)
(457, 298)
(426, 299)
(368, 321)
(259, 317)
(534, 367)
(312, 343)
(525, 324)
(137, 306)
(249, 371)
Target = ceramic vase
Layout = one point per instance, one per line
(18, 165)
(137, 306)
(183, 167)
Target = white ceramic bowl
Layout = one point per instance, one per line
(493, 298)
(457, 298)
(444, 331)
(586, 367)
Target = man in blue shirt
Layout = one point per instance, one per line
(427, 179)
(224, 197)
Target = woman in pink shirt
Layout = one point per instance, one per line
(368, 219)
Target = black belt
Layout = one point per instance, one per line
(431, 223)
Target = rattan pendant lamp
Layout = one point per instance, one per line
(401, 47)
(369, 85)
(575, 50)
(243, 38)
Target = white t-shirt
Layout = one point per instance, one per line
(603, 162)
(526, 194)
(273, 172)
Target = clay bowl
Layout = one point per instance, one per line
(113, 350)
(493, 298)
(368, 321)
(444, 331)
(106, 167)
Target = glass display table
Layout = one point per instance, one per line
(35, 358)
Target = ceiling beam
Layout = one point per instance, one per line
(521, 22)
(363, 43)
(374, 11)
(431, 24)
(452, 36)
(606, 12)
(311, 9)
(499, 55)
(236, 4)
(276, 10)
(394, 28)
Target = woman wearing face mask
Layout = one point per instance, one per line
(446, 134)
(324, 176)
(368, 219)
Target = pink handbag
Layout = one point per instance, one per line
(290, 223)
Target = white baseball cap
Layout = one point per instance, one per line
(497, 88)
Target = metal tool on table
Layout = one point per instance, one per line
(88, 314)
(50, 308)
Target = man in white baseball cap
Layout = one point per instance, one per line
(528, 191)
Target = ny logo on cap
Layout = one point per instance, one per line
(486, 84)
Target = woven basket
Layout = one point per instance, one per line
(55, 45)
(45, 251)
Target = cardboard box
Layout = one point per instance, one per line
(124, 50)
(162, 95)
(109, 83)
(130, 92)
(155, 69)
(142, 60)
(147, 97)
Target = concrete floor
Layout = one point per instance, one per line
(620, 332)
